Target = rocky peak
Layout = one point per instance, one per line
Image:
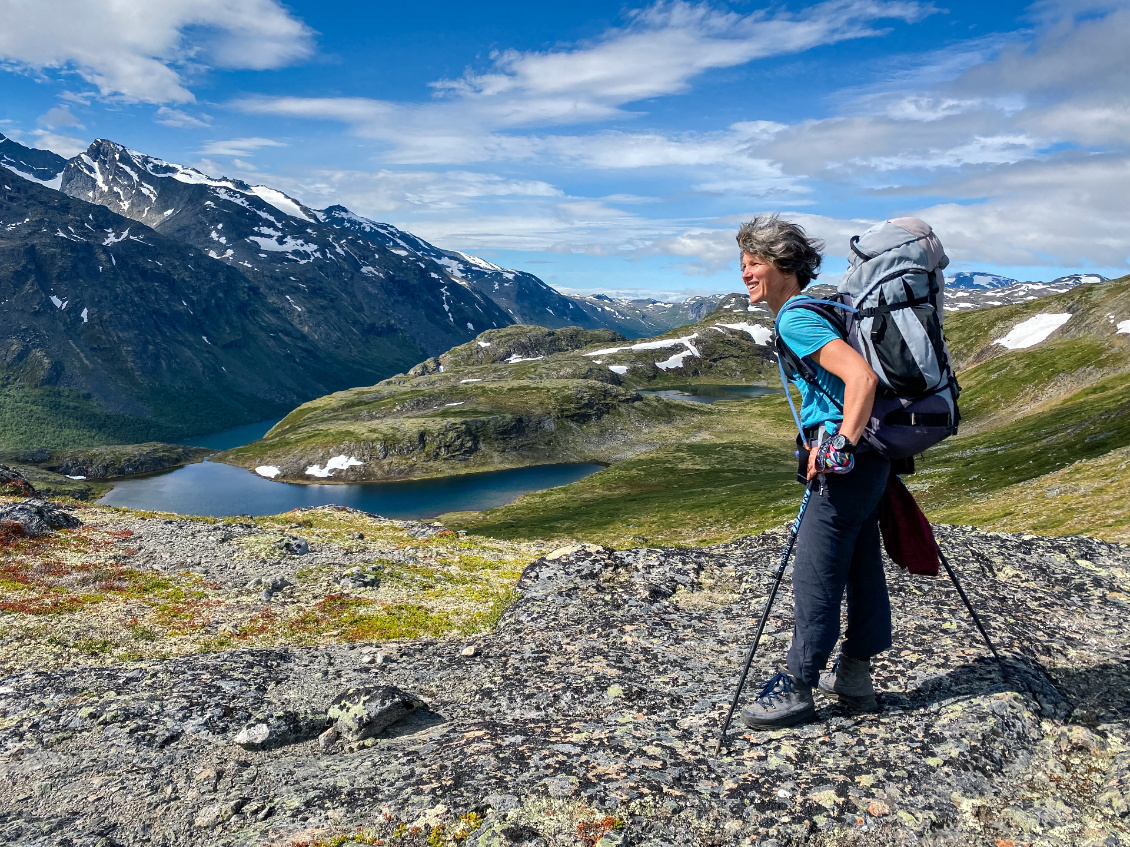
(42, 166)
(306, 268)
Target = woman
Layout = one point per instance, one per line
(838, 540)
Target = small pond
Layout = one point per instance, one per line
(712, 393)
(212, 488)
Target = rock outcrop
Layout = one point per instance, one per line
(14, 484)
(592, 712)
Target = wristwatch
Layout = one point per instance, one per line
(842, 444)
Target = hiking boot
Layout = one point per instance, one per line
(781, 702)
(849, 682)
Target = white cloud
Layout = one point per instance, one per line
(59, 116)
(660, 51)
(180, 119)
(238, 146)
(63, 145)
(140, 51)
(663, 47)
(383, 192)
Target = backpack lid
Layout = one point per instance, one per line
(900, 244)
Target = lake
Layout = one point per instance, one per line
(237, 436)
(712, 393)
(212, 488)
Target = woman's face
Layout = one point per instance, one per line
(762, 278)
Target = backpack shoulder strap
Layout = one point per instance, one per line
(804, 367)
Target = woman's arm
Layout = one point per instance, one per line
(837, 357)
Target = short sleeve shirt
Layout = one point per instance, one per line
(805, 332)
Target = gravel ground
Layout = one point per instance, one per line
(600, 693)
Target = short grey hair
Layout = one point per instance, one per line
(784, 244)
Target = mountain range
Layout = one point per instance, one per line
(982, 280)
(147, 300)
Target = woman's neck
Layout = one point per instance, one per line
(777, 299)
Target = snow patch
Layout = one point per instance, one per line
(757, 332)
(516, 358)
(337, 463)
(269, 471)
(281, 202)
(59, 304)
(75, 477)
(85, 312)
(1123, 328)
(650, 345)
(675, 361)
(618, 369)
(483, 343)
(55, 182)
(477, 262)
(1032, 331)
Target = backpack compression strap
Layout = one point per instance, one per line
(783, 348)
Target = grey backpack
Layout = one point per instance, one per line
(889, 309)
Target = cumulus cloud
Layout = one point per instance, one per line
(1014, 146)
(659, 52)
(142, 51)
(65, 145)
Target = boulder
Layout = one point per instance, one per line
(13, 483)
(38, 517)
(278, 729)
(361, 713)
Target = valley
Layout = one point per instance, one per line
(446, 371)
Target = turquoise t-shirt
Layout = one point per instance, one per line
(805, 332)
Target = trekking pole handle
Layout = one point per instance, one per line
(764, 617)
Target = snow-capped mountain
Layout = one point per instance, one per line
(344, 289)
(1079, 279)
(114, 332)
(978, 279)
(40, 166)
(524, 296)
(527, 299)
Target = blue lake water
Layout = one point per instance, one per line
(712, 393)
(212, 488)
(237, 436)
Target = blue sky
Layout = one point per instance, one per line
(616, 147)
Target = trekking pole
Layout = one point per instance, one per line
(764, 616)
(972, 612)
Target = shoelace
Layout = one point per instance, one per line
(778, 685)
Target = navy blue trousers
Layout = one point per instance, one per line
(837, 551)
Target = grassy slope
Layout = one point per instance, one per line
(729, 475)
(482, 412)
(1043, 448)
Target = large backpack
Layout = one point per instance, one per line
(888, 307)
